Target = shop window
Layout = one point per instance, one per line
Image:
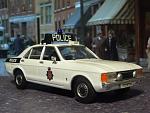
(42, 15)
(3, 4)
(29, 4)
(63, 21)
(59, 24)
(56, 26)
(48, 14)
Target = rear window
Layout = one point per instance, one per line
(36, 53)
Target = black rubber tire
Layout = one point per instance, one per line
(20, 80)
(84, 91)
(122, 91)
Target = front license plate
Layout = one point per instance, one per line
(124, 85)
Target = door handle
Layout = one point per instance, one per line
(22, 60)
(41, 62)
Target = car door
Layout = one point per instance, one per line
(30, 63)
(49, 71)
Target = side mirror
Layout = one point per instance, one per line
(53, 59)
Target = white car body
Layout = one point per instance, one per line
(64, 71)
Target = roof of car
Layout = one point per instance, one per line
(54, 45)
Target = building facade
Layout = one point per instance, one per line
(63, 10)
(4, 16)
(142, 27)
(45, 11)
(22, 18)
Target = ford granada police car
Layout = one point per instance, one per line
(73, 67)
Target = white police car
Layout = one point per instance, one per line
(72, 67)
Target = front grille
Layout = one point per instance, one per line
(127, 74)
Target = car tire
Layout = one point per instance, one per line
(20, 80)
(84, 91)
(122, 91)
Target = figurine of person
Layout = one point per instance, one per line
(18, 44)
(110, 47)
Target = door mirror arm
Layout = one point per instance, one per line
(53, 58)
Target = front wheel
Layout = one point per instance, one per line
(20, 80)
(84, 91)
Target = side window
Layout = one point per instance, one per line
(49, 52)
(26, 56)
(36, 53)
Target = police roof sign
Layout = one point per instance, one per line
(62, 37)
(53, 37)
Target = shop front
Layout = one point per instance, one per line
(142, 27)
(119, 16)
(23, 25)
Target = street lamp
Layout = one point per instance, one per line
(82, 25)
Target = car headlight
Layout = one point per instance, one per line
(134, 74)
(119, 77)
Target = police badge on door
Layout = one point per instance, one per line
(49, 74)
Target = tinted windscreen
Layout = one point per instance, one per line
(75, 52)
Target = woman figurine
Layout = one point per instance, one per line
(148, 52)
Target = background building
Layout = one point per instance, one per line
(45, 11)
(63, 10)
(142, 27)
(130, 19)
(4, 15)
(22, 18)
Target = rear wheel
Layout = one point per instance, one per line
(84, 91)
(20, 80)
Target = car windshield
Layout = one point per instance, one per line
(75, 52)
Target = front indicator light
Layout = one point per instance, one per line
(104, 78)
(139, 72)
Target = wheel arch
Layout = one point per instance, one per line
(16, 70)
(78, 77)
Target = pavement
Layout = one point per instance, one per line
(2, 68)
(43, 99)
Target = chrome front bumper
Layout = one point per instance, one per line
(118, 84)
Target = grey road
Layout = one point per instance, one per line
(42, 99)
(2, 68)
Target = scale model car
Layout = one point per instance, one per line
(73, 67)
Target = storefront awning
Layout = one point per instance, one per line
(114, 12)
(74, 20)
(26, 18)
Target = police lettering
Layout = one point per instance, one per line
(13, 60)
(61, 38)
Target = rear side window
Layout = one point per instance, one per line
(36, 53)
(26, 56)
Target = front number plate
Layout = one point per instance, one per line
(124, 85)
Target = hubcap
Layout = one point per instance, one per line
(19, 79)
(82, 90)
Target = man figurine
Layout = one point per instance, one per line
(18, 45)
(111, 47)
(59, 31)
(95, 43)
